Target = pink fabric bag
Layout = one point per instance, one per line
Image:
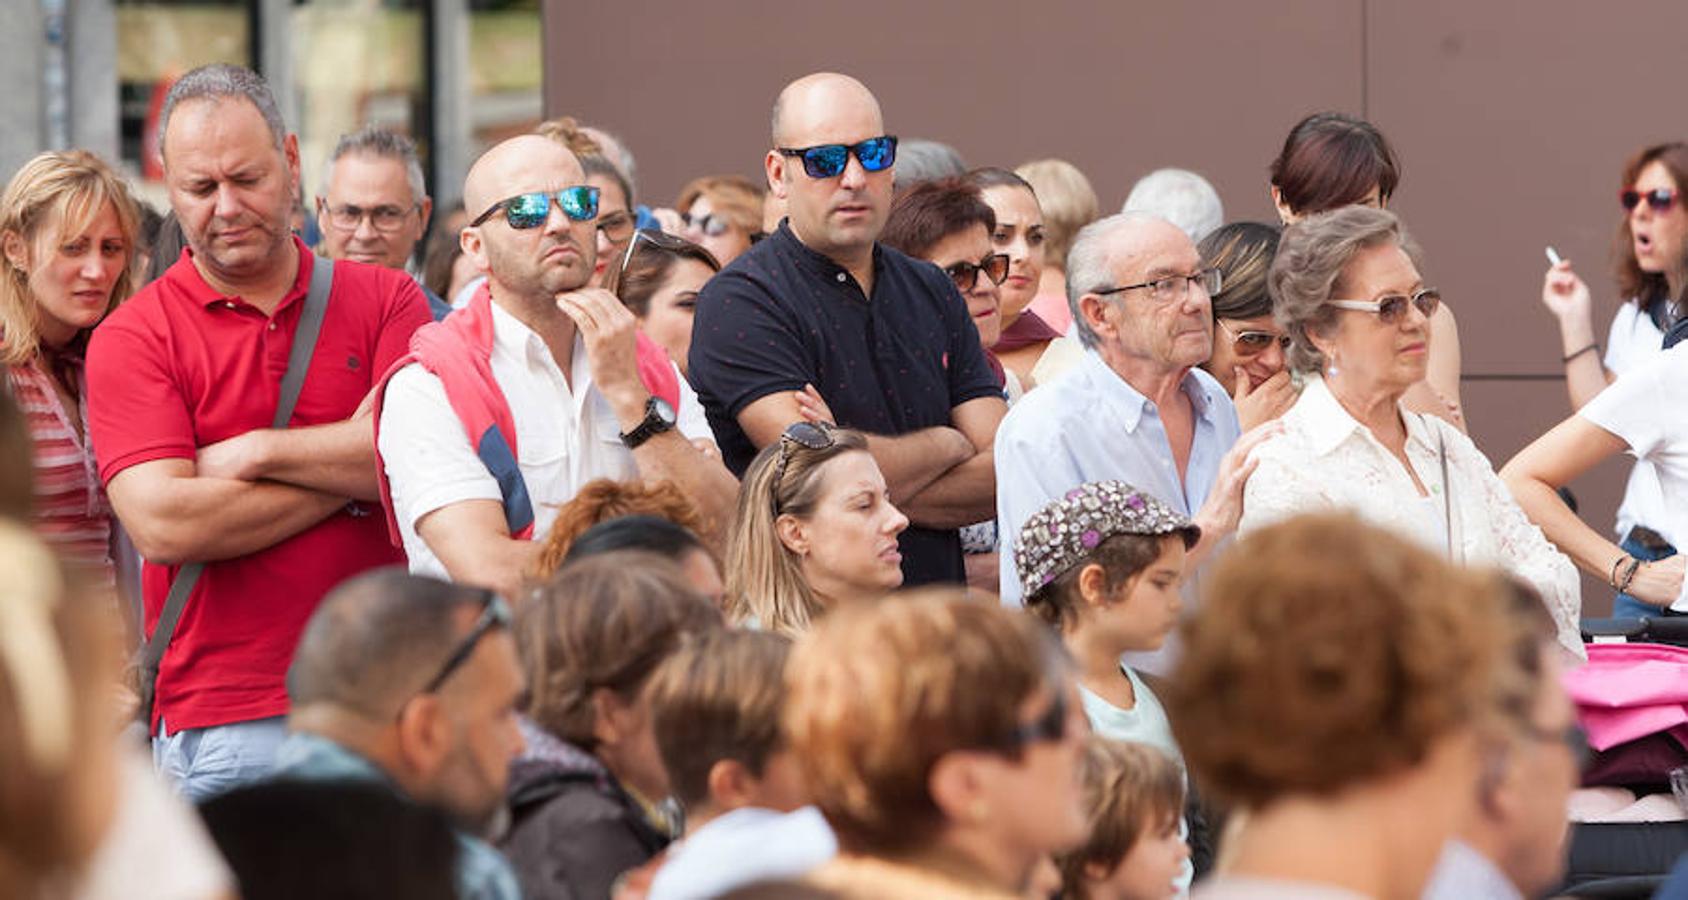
(1629, 691)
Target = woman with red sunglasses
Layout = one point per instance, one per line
(1651, 264)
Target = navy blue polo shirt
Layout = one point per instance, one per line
(781, 316)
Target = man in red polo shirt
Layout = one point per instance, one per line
(183, 382)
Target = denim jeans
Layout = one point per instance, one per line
(1626, 607)
(203, 762)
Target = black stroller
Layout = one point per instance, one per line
(1629, 860)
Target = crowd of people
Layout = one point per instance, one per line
(880, 528)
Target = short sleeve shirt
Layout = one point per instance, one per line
(782, 316)
(180, 366)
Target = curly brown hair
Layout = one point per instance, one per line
(1329, 652)
(604, 499)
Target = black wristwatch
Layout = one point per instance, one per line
(659, 417)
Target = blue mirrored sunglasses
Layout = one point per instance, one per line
(579, 203)
(828, 160)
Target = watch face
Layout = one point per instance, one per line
(663, 410)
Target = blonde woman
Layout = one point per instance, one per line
(815, 529)
(67, 233)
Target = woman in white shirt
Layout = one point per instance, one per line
(1642, 413)
(1650, 272)
(1347, 290)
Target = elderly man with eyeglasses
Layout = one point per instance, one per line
(412, 683)
(373, 207)
(820, 321)
(1136, 408)
(541, 384)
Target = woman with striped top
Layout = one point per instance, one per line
(67, 235)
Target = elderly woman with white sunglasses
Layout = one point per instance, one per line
(1347, 290)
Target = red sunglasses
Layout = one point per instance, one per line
(1660, 199)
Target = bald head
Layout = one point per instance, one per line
(805, 110)
(521, 164)
(376, 640)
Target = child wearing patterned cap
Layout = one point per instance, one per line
(1103, 566)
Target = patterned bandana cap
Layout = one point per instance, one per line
(1066, 531)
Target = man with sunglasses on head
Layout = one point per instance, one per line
(373, 207)
(412, 683)
(1136, 408)
(185, 381)
(539, 385)
(820, 321)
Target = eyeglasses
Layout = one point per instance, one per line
(1660, 199)
(1252, 343)
(524, 211)
(1049, 727)
(661, 239)
(1572, 737)
(617, 226)
(966, 274)
(809, 436)
(1173, 288)
(495, 613)
(709, 224)
(1391, 309)
(384, 218)
(827, 160)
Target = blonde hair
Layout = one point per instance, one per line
(566, 131)
(68, 188)
(734, 197)
(763, 579)
(1068, 202)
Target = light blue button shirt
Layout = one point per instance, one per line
(1090, 425)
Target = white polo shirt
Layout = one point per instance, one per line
(564, 438)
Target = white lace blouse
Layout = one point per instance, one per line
(1326, 459)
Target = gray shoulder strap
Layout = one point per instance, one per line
(298, 362)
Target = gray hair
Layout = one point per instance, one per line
(1312, 256)
(1090, 265)
(217, 82)
(376, 639)
(372, 140)
(921, 160)
(1180, 196)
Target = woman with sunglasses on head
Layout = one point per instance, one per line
(1331, 160)
(1346, 288)
(658, 277)
(1651, 265)
(1248, 346)
(815, 530)
(942, 740)
(722, 214)
(68, 232)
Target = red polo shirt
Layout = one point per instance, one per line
(180, 366)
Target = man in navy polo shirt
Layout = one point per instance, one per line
(882, 342)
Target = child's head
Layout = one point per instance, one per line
(1106, 545)
(1134, 794)
(715, 709)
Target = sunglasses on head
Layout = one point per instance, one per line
(1049, 727)
(1660, 199)
(1392, 308)
(708, 225)
(966, 274)
(1251, 343)
(809, 436)
(524, 211)
(828, 160)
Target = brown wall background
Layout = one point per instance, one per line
(1512, 120)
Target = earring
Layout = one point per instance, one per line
(1334, 369)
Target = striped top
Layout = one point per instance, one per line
(71, 512)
